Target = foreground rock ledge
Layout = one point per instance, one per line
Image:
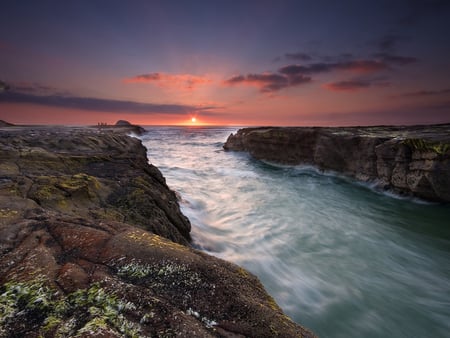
(93, 244)
(413, 160)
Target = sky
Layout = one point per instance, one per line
(303, 63)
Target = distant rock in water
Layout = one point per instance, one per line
(93, 244)
(5, 124)
(123, 123)
(123, 126)
(409, 160)
(4, 86)
(132, 127)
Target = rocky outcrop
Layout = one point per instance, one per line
(93, 244)
(5, 124)
(413, 160)
(122, 126)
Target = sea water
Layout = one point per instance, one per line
(339, 257)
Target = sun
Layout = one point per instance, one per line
(193, 120)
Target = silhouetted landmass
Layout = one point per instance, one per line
(5, 124)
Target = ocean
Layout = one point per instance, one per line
(338, 256)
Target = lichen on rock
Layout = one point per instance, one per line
(93, 244)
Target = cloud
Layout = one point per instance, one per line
(101, 105)
(353, 85)
(388, 42)
(359, 66)
(269, 82)
(395, 59)
(296, 74)
(347, 86)
(178, 81)
(145, 78)
(36, 88)
(298, 56)
(424, 93)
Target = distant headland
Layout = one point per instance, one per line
(119, 126)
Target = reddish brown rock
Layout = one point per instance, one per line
(93, 244)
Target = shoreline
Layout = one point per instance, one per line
(84, 212)
(411, 161)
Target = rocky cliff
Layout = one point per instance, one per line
(93, 244)
(413, 160)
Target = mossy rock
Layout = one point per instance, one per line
(85, 311)
(439, 148)
(67, 192)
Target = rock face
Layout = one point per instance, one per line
(412, 160)
(123, 126)
(93, 244)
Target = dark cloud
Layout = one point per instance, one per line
(269, 82)
(96, 104)
(444, 106)
(395, 59)
(147, 77)
(358, 84)
(300, 69)
(277, 59)
(36, 89)
(363, 66)
(293, 56)
(388, 42)
(399, 116)
(345, 56)
(298, 56)
(352, 85)
(422, 93)
(296, 74)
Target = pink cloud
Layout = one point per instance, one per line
(164, 80)
(347, 86)
(268, 82)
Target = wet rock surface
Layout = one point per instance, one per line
(93, 244)
(410, 160)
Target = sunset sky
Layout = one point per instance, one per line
(225, 62)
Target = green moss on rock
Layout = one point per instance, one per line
(82, 312)
(439, 148)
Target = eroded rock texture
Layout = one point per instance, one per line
(93, 244)
(412, 160)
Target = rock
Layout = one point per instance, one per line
(123, 123)
(412, 160)
(4, 86)
(93, 244)
(122, 126)
(5, 124)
